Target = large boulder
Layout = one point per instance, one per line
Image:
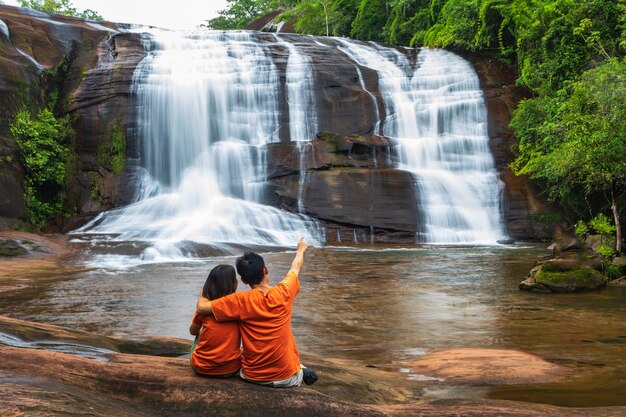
(573, 272)
(477, 366)
(349, 182)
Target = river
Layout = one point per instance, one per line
(382, 306)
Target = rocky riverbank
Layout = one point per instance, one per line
(52, 371)
(23, 254)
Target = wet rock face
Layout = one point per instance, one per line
(348, 181)
(33, 42)
(94, 92)
(103, 107)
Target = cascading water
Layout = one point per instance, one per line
(207, 102)
(437, 114)
(302, 107)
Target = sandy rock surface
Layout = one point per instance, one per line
(489, 367)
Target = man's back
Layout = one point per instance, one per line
(269, 349)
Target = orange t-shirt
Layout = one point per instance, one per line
(218, 351)
(269, 349)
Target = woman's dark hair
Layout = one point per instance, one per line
(221, 281)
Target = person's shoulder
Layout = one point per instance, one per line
(290, 282)
(291, 275)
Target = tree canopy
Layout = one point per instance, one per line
(238, 13)
(62, 7)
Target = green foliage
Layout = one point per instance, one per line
(321, 17)
(573, 142)
(96, 193)
(582, 231)
(615, 271)
(456, 26)
(90, 14)
(371, 17)
(44, 148)
(547, 217)
(607, 253)
(239, 13)
(62, 7)
(112, 153)
(602, 225)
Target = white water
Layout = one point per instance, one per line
(302, 108)
(5, 30)
(437, 114)
(207, 103)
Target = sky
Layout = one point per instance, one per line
(181, 14)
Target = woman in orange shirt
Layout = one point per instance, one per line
(217, 351)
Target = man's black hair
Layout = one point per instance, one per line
(251, 267)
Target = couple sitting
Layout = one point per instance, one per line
(259, 319)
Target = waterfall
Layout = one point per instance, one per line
(436, 112)
(207, 103)
(302, 107)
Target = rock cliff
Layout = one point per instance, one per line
(93, 89)
(350, 182)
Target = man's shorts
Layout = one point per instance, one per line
(294, 380)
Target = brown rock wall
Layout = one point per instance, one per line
(94, 90)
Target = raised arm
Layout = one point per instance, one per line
(296, 265)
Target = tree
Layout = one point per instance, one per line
(239, 13)
(577, 139)
(320, 17)
(62, 7)
(89, 14)
(370, 19)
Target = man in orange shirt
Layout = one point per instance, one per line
(270, 356)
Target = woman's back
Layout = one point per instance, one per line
(218, 351)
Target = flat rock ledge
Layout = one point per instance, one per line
(36, 381)
(477, 366)
(23, 253)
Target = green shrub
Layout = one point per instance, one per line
(112, 153)
(44, 145)
(582, 231)
(602, 225)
